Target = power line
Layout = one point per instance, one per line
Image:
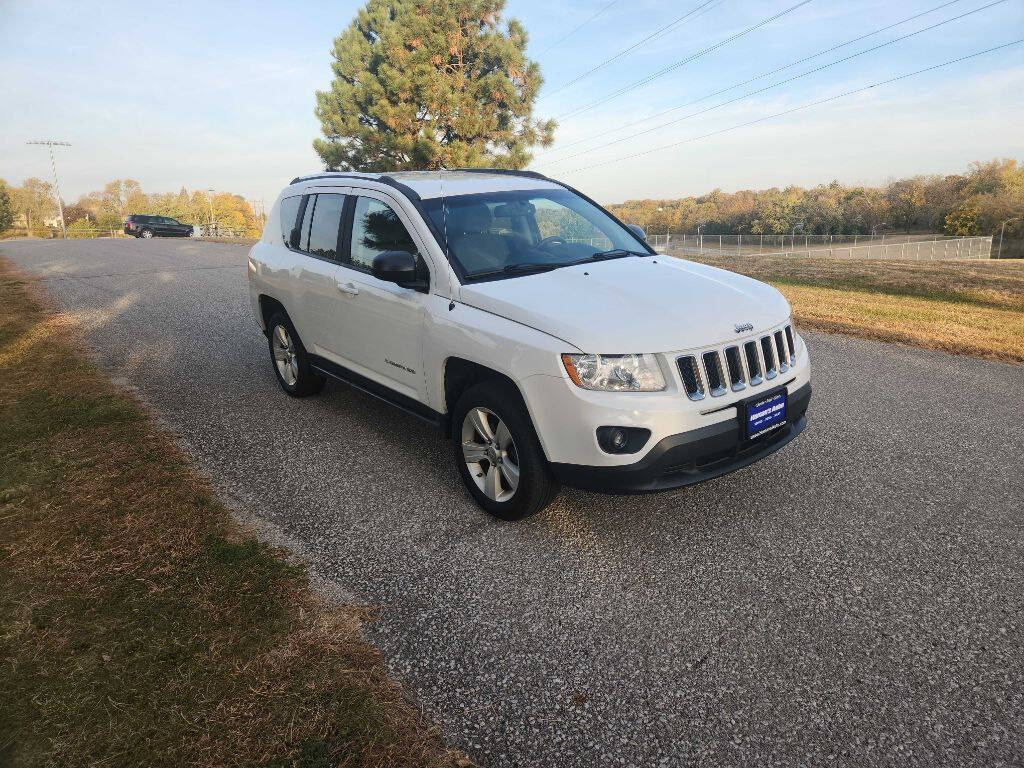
(681, 62)
(773, 85)
(796, 109)
(751, 80)
(566, 36)
(654, 35)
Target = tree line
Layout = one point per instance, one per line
(33, 206)
(973, 203)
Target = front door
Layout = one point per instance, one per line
(384, 322)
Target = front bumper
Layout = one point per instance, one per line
(689, 457)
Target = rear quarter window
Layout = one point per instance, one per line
(289, 213)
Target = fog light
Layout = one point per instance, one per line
(622, 439)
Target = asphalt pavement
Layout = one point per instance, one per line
(855, 599)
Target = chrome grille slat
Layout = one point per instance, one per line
(771, 369)
(734, 364)
(753, 361)
(780, 352)
(690, 373)
(792, 346)
(714, 373)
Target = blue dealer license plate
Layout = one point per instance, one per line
(764, 414)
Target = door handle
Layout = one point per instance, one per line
(349, 288)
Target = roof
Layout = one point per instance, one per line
(432, 184)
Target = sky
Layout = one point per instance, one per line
(220, 95)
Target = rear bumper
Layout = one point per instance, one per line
(689, 457)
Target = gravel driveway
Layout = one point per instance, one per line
(853, 599)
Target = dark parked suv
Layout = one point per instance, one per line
(140, 225)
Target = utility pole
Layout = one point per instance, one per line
(49, 143)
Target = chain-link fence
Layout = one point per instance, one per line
(927, 247)
(76, 232)
(54, 233)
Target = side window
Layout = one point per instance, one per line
(323, 234)
(376, 228)
(304, 230)
(289, 212)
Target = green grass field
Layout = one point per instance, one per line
(139, 625)
(971, 307)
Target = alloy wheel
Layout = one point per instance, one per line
(490, 454)
(285, 356)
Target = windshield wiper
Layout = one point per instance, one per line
(514, 268)
(616, 253)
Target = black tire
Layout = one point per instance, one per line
(306, 381)
(148, 236)
(537, 486)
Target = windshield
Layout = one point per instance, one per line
(505, 233)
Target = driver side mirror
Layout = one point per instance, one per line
(399, 267)
(637, 231)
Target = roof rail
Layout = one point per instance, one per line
(326, 175)
(380, 178)
(502, 172)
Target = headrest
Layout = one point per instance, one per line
(472, 218)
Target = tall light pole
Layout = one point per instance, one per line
(56, 187)
(208, 232)
(1002, 230)
(792, 236)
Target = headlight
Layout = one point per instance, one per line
(615, 373)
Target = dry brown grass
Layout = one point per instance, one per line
(963, 307)
(138, 624)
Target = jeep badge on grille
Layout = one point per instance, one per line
(744, 327)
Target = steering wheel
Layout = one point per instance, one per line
(553, 240)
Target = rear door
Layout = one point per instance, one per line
(316, 240)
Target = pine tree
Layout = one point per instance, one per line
(430, 84)
(6, 207)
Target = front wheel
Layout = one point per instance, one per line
(497, 453)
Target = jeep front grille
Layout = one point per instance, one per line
(750, 364)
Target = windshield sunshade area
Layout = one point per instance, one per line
(498, 234)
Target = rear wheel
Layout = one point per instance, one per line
(497, 452)
(147, 233)
(290, 360)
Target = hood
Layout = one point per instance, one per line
(650, 304)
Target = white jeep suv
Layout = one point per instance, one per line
(541, 334)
